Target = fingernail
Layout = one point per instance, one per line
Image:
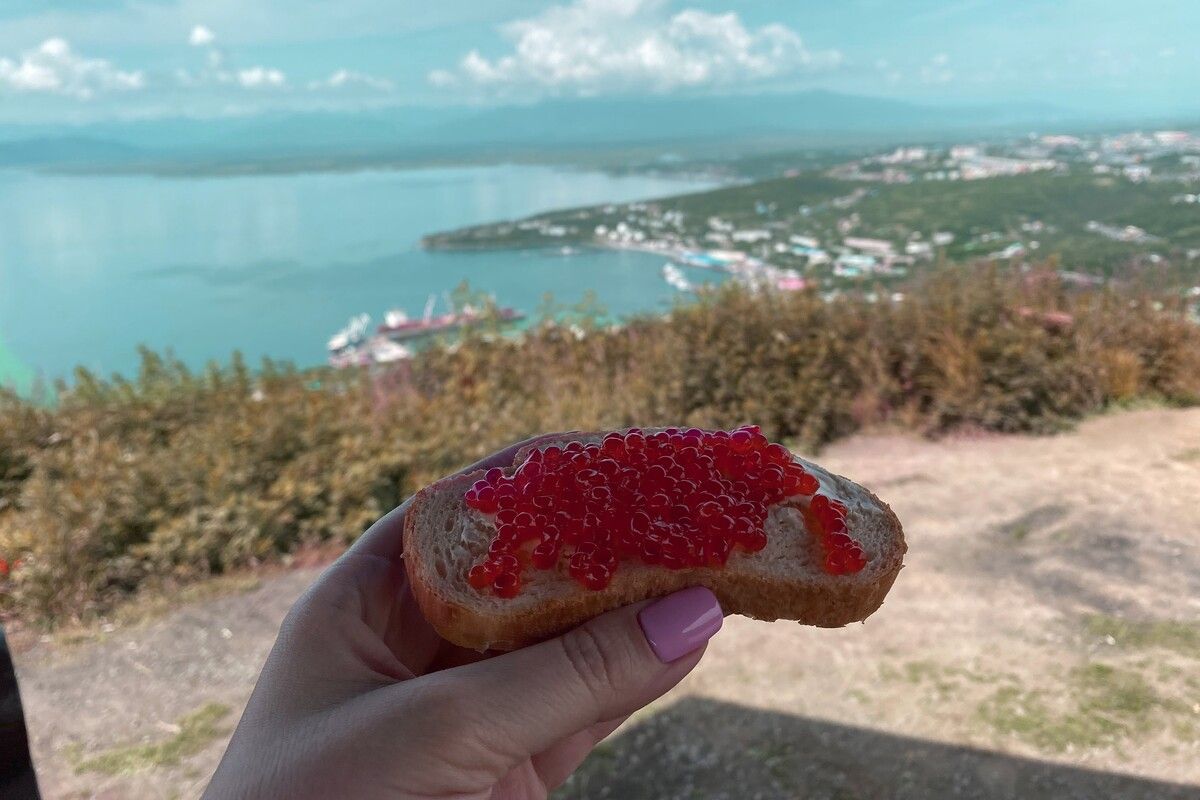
(679, 623)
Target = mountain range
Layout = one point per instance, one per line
(423, 133)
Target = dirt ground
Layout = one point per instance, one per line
(1042, 642)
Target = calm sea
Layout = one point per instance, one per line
(90, 267)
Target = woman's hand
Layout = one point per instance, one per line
(360, 698)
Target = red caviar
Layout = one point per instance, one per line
(675, 498)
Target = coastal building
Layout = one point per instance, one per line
(904, 155)
(1128, 233)
(751, 236)
(1011, 251)
(996, 166)
(790, 281)
(1060, 140)
(1136, 172)
(851, 265)
(876, 247)
(1172, 137)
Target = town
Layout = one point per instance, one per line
(1108, 206)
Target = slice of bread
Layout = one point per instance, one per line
(443, 538)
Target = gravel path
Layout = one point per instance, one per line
(1041, 643)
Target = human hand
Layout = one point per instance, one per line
(360, 698)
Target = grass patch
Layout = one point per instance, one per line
(945, 678)
(152, 603)
(1020, 533)
(196, 731)
(1033, 521)
(1189, 456)
(157, 602)
(775, 756)
(1102, 705)
(1182, 637)
(859, 696)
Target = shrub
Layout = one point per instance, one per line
(173, 475)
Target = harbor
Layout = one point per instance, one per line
(399, 336)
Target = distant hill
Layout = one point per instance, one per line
(413, 134)
(65, 150)
(564, 122)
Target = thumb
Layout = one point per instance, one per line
(605, 669)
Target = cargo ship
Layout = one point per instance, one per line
(397, 325)
(356, 345)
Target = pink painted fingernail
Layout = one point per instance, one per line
(679, 623)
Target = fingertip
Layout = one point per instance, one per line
(681, 623)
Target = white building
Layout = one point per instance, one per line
(904, 155)
(1172, 137)
(1060, 140)
(876, 247)
(1137, 172)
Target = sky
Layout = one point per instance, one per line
(76, 61)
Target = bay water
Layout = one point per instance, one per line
(93, 266)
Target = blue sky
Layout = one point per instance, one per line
(81, 60)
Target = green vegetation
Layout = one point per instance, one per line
(123, 485)
(196, 731)
(1051, 209)
(1182, 637)
(1189, 456)
(1101, 705)
(1062, 203)
(738, 203)
(944, 678)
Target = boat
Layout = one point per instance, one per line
(674, 276)
(397, 325)
(352, 346)
(356, 346)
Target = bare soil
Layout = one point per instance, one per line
(1042, 642)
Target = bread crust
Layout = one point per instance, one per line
(826, 603)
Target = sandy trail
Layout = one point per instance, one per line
(1041, 642)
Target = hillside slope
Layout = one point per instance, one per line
(1046, 615)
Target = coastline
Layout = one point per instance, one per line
(746, 269)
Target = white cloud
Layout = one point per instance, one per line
(442, 78)
(1167, 52)
(216, 71)
(201, 36)
(260, 78)
(937, 70)
(349, 79)
(592, 46)
(57, 69)
(889, 73)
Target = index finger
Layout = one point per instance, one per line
(386, 537)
